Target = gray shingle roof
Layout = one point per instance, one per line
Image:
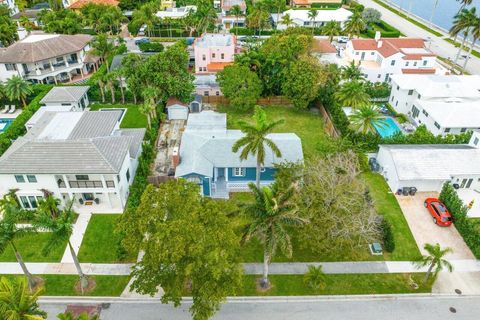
(96, 124)
(65, 94)
(137, 139)
(28, 51)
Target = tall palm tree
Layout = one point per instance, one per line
(354, 25)
(332, 28)
(17, 302)
(9, 232)
(463, 4)
(352, 94)
(475, 35)
(70, 316)
(103, 48)
(120, 74)
(271, 213)
(146, 109)
(287, 20)
(61, 228)
(111, 79)
(146, 15)
(352, 72)
(16, 88)
(312, 15)
(463, 22)
(366, 118)
(255, 140)
(434, 259)
(236, 11)
(49, 204)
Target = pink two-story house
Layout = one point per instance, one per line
(213, 52)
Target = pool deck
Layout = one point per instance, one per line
(10, 115)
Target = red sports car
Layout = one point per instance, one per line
(439, 212)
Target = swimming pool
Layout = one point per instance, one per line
(4, 124)
(388, 128)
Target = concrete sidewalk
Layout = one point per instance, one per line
(296, 268)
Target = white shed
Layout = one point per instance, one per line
(177, 110)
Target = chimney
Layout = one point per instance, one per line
(380, 43)
(378, 35)
(22, 33)
(175, 157)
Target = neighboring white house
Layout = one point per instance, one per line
(73, 98)
(47, 58)
(380, 58)
(11, 5)
(300, 17)
(176, 13)
(428, 167)
(228, 20)
(207, 85)
(79, 156)
(444, 104)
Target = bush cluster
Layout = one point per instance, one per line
(465, 226)
(388, 238)
(151, 47)
(386, 30)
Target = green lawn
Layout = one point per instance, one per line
(64, 285)
(337, 284)
(100, 242)
(387, 205)
(466, 48)
(133, 118)
(30, 247)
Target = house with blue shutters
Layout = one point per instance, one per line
(206, 157)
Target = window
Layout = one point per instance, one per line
(419, 96)
(217, 93)
(81, 177)
(194, 179)
(398, 87)
(425, 113)
(415, 112)
(25, 202)
(437, 125)
(372, 53)
(19, 178)
(239, 172)
(379, 76)
(396, 103)
(204, 57)
(415, 64)
(222, 56)
(463, 129)
(128, 174)
(66, 104)
(213, 55)
(392, 63)
(205, 93)
(33, 201)
(11, 67)
(110, 184)
(447, 130)
(31, 178)
(475, 141)
(425, 62)
(410, 92)
(407, 63)
(393, 97)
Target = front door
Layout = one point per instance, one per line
(363, 56)
(88, 196)
(220, 173)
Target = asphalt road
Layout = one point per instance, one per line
(352, 308)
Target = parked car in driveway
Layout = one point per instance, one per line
(438, 211)
(342, 39)
(141, 40)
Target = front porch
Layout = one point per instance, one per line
(87, 203)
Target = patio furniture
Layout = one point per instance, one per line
(5, 110)
(12, 109)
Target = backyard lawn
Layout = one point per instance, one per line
(64, 285)
(133, 118)
(30, 247)
(100, 242)
(338, 284)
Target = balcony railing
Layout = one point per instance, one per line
(56, 67)
(75, 184)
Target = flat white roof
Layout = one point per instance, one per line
(38, 37)
(214, 40)
(41, 111)
(339, 15)
(60, 127)
(176, 12)
(455, 114)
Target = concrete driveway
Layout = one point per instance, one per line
(424, 230)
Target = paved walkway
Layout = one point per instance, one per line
(77, 236)
(296, 268)
(437, 45)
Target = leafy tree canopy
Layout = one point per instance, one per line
(241, 85)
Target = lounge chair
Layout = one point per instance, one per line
(12, 109)
(5, 110)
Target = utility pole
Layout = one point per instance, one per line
(435, 5)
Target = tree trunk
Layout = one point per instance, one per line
(112, 92)
(121, 90)
(429, 271)
(18, 256)
(266, 263)
(106, 63)
(149, 121)
(461, 47)
(102, 93)
(469, 53)
(24, 102)
(83, 278)
(257, 176)
(134, 98)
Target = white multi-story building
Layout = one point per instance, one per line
(380, 58)
(228, 19)
(11, 5)
(444, 104)
(47, 58)
(300, 18)
(213, 52)
(176, 13)
(77, 156)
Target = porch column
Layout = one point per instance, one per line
(81, 72)
(70, 76)
(109, 201)
(51, 65)
(55, 79)
(66, 61)
(104, 183)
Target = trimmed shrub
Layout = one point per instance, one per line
(151, 47)
(388, 238)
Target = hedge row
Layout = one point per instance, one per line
(386, 30)
(465, 226)
(17, 128)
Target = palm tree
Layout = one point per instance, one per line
(287, 20)
(49, 204)
(103, 48)
(17, 302)
(255, 139)
(119, 75)
(366, 118)
(354, 25)
(352, 72)
(16, 88)
(61, 228)
(237, 12)
(271, 213)
(9, 232)
(475, 35)
(463, 22)
(312, 14)
(331, 29)
(146, 15)
(315, 278)
(70, 316)
(434, 259)
(111, 79)
(146, 109)
(352, 94)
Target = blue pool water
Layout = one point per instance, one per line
(388, 128)
(4, 124)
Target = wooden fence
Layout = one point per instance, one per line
(157, 180)
(327, 121)
(275, 100)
